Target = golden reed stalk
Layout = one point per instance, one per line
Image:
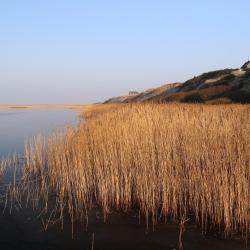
(169, 161)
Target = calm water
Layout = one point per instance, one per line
(18, 125)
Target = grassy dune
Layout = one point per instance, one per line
(167, 161)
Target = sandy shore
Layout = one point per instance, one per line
(46, 106)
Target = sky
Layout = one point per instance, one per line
(85, 51)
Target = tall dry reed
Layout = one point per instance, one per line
(168, 161)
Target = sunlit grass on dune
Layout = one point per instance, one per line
(168, 161)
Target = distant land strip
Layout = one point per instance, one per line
(46, 106)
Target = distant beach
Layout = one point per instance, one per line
(44, 106)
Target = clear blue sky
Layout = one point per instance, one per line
(58, 51)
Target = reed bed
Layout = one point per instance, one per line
(9, 191)
(5, 163)
(3, 166)
(166, 161)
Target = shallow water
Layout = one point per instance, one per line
(16, 126)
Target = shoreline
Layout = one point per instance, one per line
(46, 106)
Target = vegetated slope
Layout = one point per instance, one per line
(221, 86)
(146, 95)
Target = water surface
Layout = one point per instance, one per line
(17, 125)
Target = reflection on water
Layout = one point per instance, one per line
(18, 125)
